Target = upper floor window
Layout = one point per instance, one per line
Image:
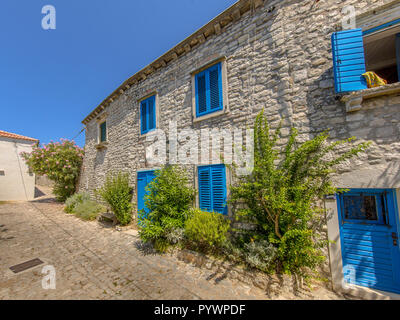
(212, 188)
(358, 51)
(209, 90)
(103, 131)
(148, 114)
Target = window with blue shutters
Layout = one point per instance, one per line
(374, 50)
(208, 87)
(212, 188)
(148, 114)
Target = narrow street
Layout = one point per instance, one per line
(94, 261)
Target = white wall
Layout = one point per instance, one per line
(16, 183)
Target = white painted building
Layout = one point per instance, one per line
(16, 182)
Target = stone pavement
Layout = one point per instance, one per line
(94, 261)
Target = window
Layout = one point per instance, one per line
(103, 131)
(208, 88)
(212, 188)
(365, 206)
(148, 114)
(356, 51)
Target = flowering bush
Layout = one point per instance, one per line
(60, 161)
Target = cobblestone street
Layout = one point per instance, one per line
(95, 261)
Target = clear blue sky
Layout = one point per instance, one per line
(50, 80)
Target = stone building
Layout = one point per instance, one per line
(302, 62)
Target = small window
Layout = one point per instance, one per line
(103, 131)
(209, 90)
(2, 173)
(364, 206)
(382, 54)
(148, 114)
(212, 188)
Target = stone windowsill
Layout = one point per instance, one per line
(354, 100)
(102, 145)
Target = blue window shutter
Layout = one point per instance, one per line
(205, 200)
(201, 98)
(218, 180)
(348, 60)
(143, 180)
(215, 87)
(143, 116)
(151, 112)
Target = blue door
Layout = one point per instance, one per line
(368, 220)
(143, 179)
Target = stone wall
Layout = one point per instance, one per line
(279, 60)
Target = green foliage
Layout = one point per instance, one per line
(117, 193)
(73, 200)
(168, 201)
(206, 230)
(88, 209)
(261, 255)
(282, 194)
(60, 161)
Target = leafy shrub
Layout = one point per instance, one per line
(117, 192)
(297, 250)
(73, 200)
(61, 162)
(206, 230)
(281, 196)
(168, 201)
(88, 209)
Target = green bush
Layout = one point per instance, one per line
(282, 195)
(206, 230)
(88, 209)
(117, 193)
(73, 200)
(168, 201)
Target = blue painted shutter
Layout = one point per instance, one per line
(218, 189)
(151, 113)
(205, 200)
(348, 60)
(143, 180)
(215, 87)
(141, 185)
(143, 116)
(201, 93)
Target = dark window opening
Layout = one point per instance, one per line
(382, 53)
